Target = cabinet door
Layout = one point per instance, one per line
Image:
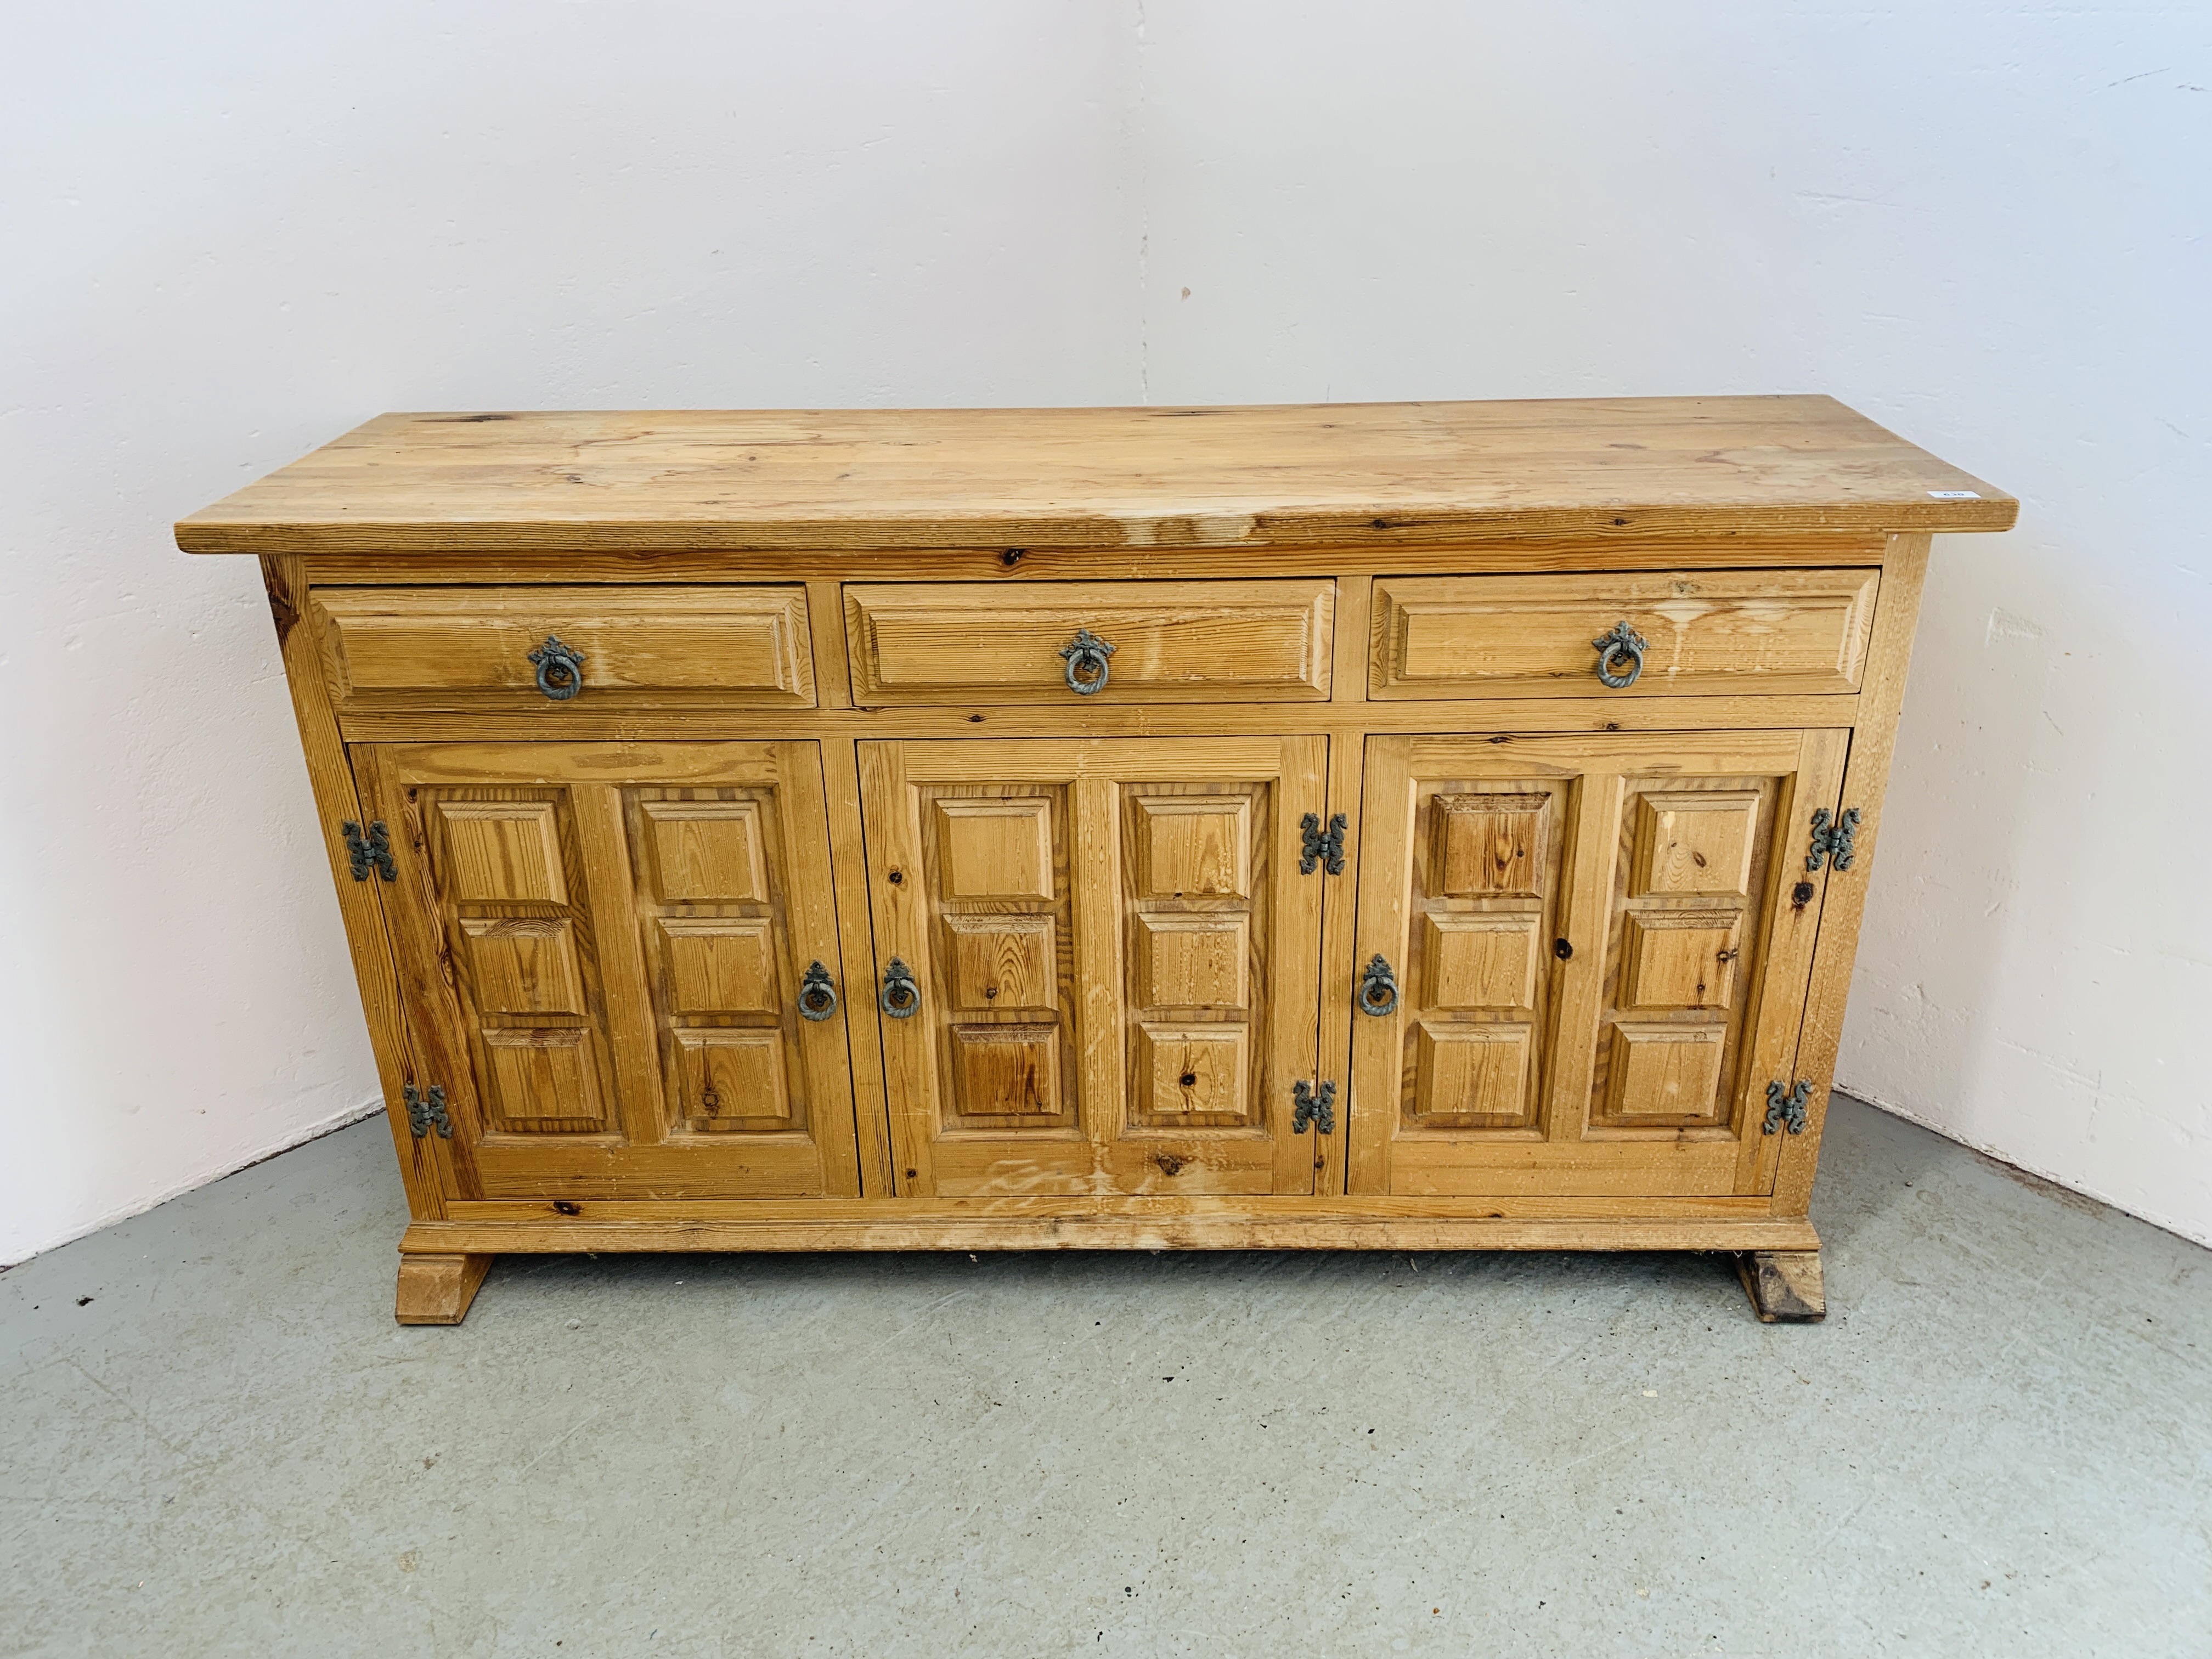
(1115, 962)
(604, 947)
(1600, 947)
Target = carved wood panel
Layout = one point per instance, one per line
(602, 947)
(1117, 961)
(1600, 954)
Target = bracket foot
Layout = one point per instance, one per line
(1783, 1285)
(436, 1289)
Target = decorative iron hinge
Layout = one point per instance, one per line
(370, 852)
(426, 1112)
(1786, 1109)
(1316, 1105)
(1325, 848)
(1832, 840)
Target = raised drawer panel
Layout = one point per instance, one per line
(939, 643)
(1794, 633)
(397, 649)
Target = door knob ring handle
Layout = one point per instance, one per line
(1624, 645)
(560, 669)
(901, 997)
(1379, 988)
(1084, 659)
(817, 997)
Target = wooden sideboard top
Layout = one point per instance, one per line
(1354, 474)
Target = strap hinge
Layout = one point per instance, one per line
(1313, 1104)
(1322, 847)
(370, 852)
(426, 1110)
(1785, 1108)
(1833, 841)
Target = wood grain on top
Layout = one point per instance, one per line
(1253, 477)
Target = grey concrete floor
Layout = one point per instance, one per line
(2000, 1443)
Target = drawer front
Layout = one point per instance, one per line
(936, 643)
(595, 647)
(1784, 633)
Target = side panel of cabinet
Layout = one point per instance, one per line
(1115, 962)
(425, 1165)
(603, 948)
(1865, 782)
(1601, 947)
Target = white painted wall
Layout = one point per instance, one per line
(236, 229)
(1986, 227)
(249, 225)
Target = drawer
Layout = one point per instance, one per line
(1702, 632)
(935, 642)
(400, 649)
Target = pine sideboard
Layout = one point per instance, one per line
(1419, 826)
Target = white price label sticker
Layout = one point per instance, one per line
(1955, 494)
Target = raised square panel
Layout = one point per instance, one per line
(1006, 1071)
(992, 848)
(1194, 846)
(1695, 841)
(544, 1079)
(1488, 846)
(1192, 1072)
(502, 850)
(708, 852)
(1679, 959)
(733, 1078)
(1664, 1074)
(1192, 960)
(1480, 961)
(1002, 963)
(523, 965)
(720, 965)
(1472, 1070)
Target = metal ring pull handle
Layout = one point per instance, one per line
(1085, 656)
(1623, 645)
(1379, 988)
(560, 670)
(901, 997)
(817, 997)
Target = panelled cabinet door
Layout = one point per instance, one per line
(1115, 961)
(603, 949)
(1600, 948)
